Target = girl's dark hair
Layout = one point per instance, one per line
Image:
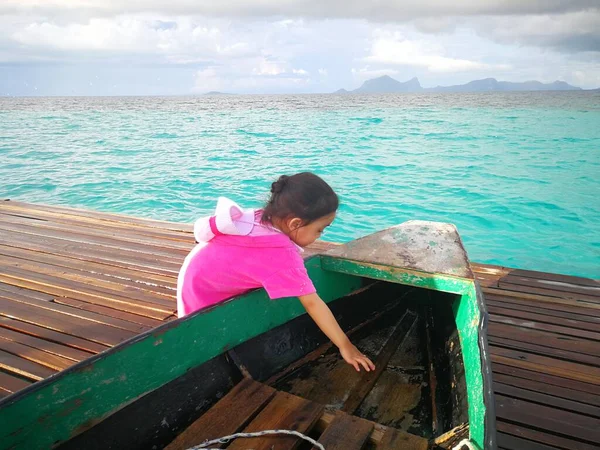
(304, 195)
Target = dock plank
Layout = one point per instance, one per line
(146, 281)
(52, 335)
(94, 331)
(22, 367)
(50, 347)
(11, 383)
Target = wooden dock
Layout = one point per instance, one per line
(74, 283)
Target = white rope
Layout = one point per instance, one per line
(226, 439)
(465, 443)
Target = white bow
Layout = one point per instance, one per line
(229, 218)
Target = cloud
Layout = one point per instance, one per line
(571, 32)
(390, 10)
(180, 41)
(393, 48)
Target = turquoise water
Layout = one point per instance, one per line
(518, 173)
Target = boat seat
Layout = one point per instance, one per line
(253, 406)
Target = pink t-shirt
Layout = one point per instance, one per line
(229, 265)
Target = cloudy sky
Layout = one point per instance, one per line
(148, 47)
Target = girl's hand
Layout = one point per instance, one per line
(355, 358)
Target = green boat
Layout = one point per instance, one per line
(407, 298)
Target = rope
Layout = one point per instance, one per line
(226, 439)
(465, 443)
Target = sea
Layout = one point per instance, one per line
(517, 173)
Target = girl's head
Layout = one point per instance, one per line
(301, 206)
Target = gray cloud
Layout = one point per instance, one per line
(570, 32)
(374, 10)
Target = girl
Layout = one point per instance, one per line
(239, 250)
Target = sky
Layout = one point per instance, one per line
(183, 47)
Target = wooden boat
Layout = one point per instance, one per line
(407, 298)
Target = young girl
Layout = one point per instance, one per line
(239, 250)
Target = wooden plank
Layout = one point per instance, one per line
(11, 383)
(74, 312)
(24, 368)
(576, 319)
(231, 414)
(346, 432)
(368, 379)
(93, 253)
(549, 292)
(93, 331)
(546, 418)
(545, 327)
(109, 312)
(545, 399)
(54, 210)
(6, 289)
(510, 442)
(286, 412)
(555, 277)
(151, 282)
(541, 298)
(545, 338)
(582, 398)
(47, 346)
(18, 239)
(111, 286)
(587, 392)
(72, 222)
(397, 440)
(83, 292)
(592, 289)
(140, 236)
(51, 335)
(543, 350)
(107, 242)
(35, 355)
(543, 437)
(553, 366)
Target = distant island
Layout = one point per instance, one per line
(217, 93)
(387, 85)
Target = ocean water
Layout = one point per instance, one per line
(517, 173)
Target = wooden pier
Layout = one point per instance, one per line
(74, 283)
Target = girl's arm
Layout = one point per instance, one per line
(321, 314)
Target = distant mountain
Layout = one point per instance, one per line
(217, 93)
(493, 85)
(386, 84)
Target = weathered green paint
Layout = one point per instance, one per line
(443, 283)
(467, 317)
(431, 247)
(66, 404)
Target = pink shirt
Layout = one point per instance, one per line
(229, 265)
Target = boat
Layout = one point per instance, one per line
(407, 298)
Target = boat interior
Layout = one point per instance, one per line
(293, 378)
